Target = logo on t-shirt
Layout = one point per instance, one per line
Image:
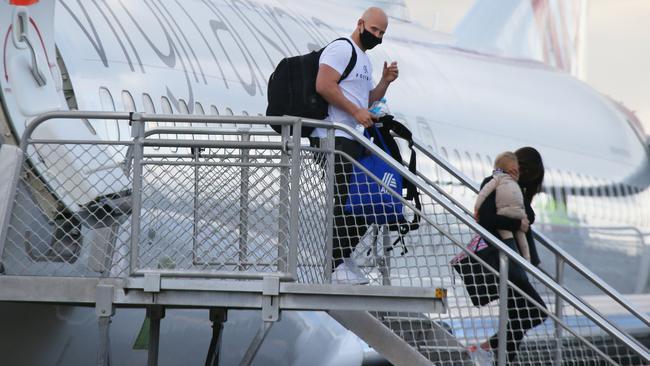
(365, 75)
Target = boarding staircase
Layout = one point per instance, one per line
(217, 212)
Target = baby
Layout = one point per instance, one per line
(509, 199)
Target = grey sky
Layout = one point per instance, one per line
(617, 50)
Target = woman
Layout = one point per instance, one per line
(522, 314)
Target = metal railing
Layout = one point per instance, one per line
(271, 198)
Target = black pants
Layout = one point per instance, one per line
(522, 314)
(348, 228)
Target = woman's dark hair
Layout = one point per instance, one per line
(531, 172)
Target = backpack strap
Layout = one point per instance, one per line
(353, 58)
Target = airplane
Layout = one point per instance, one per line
(504, 79)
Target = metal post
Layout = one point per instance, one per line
(386, 246)
(559, 277)
(256, 343)
(329, 157)
(503, 308)
(283, 214)
(154, 313)
(243, 204)
(104, 349)
(104, 310)
(137, 132)
(196, 152)
(218, 316)
(294, 196)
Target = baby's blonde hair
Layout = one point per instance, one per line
(503, 159)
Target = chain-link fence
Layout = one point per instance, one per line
(219, 203)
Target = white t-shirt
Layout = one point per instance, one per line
(356, 87)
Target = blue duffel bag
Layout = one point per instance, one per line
(371, 200)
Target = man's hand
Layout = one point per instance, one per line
(363, 117)
(390, 73)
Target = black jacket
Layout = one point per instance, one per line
(492, 222)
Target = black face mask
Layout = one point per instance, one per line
(368, 40)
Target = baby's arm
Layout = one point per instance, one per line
(487, 189)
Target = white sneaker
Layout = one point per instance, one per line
(348, 273)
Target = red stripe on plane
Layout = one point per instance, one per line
(22, 2)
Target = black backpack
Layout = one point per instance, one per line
(292, 88)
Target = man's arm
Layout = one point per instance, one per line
(388, 75)
(327, 85)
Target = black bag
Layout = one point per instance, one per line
(292, 88)
(481, 284)
(387, 125)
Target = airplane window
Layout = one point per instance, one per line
(572, 183)
(470, 165)
(607, 190)
(249, 125)
(127, 101)
(456, 158)
(166, 106)
(148, 106)
(110, 130)
(167, 109)
(489, 164)
(444, 156)
(148, 103)
(479, 166)
(427, 135)
(443, 152)
(198, 109)
(581, 185)
(182, 107)
(593, 186)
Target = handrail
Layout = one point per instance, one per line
(548, 243)
(462, 215)
(459, 211)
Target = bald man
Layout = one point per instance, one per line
(349, 101)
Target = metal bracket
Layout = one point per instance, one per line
(104, 300)
(152, 282)
(270, 299)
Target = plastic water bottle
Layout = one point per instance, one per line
(379, 108)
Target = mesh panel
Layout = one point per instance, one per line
(219, 211)
(67, 219)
